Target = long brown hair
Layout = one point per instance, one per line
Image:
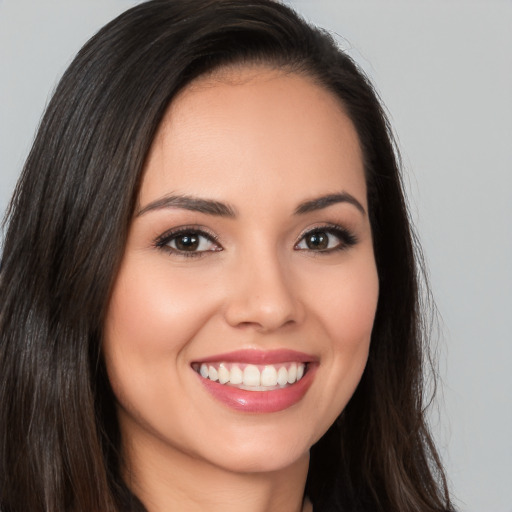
(67, 226)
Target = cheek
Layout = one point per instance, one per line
(152, 313)
(151, 319)
(346, 311)
(352, 313)
(348, 304)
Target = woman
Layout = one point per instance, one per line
(209, 295)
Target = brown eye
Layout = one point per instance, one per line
(317, 241)
(187, 242)
(326, 240)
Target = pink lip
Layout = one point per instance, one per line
(260, 357)
(261, 401)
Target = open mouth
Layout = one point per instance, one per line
(252, 377)
(257, 381)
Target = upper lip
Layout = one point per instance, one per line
(253, 356)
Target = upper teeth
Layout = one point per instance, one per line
(252, 376)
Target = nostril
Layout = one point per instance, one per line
(264, 325)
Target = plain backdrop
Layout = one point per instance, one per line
(444, 71)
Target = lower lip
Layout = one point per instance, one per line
(260, 401)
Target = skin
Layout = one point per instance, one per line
(263, 142)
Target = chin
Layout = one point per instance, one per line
(262, 448)
(263, 460)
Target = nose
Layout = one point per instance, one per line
(262, 294)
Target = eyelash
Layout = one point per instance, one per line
(163, 241)
(346, 240)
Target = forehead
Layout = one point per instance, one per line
(259, 128)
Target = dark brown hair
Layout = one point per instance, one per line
(67, 226)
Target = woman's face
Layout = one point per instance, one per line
(240, 320)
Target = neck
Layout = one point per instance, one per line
(167, 479)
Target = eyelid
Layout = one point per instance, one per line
(162, 241)
(346, 236)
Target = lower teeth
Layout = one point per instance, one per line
(257, 388)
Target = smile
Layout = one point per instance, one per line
(252, 377)
(255, 381)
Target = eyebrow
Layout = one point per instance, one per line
(195, 204)
(216, 208)
(328, 200)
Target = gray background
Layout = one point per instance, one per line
(444, 70)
